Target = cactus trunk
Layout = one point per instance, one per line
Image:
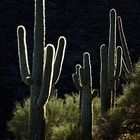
(37, 120)
(103, 80)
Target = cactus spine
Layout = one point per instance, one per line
(83, 82)
(46, 69)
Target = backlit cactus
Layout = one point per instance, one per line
(46, 69)
(112, 63)
(127, 63)
(83, 82)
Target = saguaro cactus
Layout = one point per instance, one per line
(83, 82)
(46, 69)
(111, 67)
(111, 53)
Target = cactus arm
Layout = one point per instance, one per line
(39, 40)
(76, 81)
(23, 56)
(87, 69)
(112, 48)
(82, 76)
(47, 76)
(59, 58)
(76, 77)
(119, 62)
(124, 44)
(77, 67)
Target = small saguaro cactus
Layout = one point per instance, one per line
(76, 81)
(83, 82)
(46, 69)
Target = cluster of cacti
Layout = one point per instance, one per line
(112, 63)
(47, 65)
(46, 69)
(82, 79)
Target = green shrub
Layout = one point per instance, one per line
(19, 123)
(61, 117)
(124, 119)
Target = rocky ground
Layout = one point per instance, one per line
(85, 25)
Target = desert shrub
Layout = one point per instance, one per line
(124, 119)
(19, 123)
(130, 137)
(61, 119)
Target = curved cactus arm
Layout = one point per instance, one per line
(112, 48)
(23, 56)
(59, 58)
(76, 81)
(124, 44)
(82, 76)
(47, 76)
(119, 62)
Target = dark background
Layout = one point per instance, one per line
(84, 23)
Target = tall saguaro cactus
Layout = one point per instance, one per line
(111, 53)
(83, 82)
(46, 69)
(111, 66)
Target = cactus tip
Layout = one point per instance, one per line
(112, 12)
(86, 55)
(62, 40)
(21, 30)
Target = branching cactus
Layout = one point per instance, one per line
(111, 67)
(46, 69)
(83, 82)
(113, 64)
